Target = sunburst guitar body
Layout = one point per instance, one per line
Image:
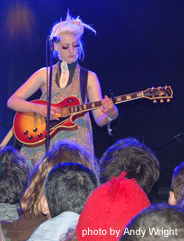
(30, 128)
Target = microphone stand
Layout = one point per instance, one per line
(174, 138)
(178, 138)
(49, 93)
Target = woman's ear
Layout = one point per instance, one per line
(172, 199)
(56, 47)
(44, 205)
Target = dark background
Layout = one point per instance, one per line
(138, 45)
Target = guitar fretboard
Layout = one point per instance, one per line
(95, 105)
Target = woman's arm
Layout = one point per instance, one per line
(108, 109)
(18, 101)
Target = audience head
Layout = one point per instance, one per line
(158, 222)
(14, 174)
(67, 188)
(63, 151)
(110, 207)
(176, 194)
(133, 157)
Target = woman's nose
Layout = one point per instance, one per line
(71, 49)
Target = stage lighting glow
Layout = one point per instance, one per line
(20, 21)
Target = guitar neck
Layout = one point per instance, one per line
(95, 105)
(128, 97)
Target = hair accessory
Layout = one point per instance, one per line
(78, 22)
(69, 24)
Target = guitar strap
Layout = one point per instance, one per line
(7, 137)
(83, 83)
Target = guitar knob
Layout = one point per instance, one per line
(40, 135)
(35, 129)
(161, 101)
(30, 137)
(155, 101)
(25, 132)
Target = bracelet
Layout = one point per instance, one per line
(109, 130)
(111, 119)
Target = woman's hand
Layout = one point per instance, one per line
(109, 108)
(42, 110)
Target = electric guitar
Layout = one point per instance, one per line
(30, 128)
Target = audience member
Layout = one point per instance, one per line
(133, 157)
(14, 174)
(176, 194)
(66, 190)
(63, 151)
(157, 222)
(109, 209)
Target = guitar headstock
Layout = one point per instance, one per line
(159, 93)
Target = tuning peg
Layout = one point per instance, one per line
(161, 101)
(168, 100)
(155, 101)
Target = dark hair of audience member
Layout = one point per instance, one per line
(133, 157)
(166, 220)
(67, 188)
(177, 184)
(14, 174)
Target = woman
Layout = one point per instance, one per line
(66, 82)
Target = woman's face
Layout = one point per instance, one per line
(68, 48)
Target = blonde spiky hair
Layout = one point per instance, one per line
(75, 26)
(71, 25)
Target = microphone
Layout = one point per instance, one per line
(55, 39)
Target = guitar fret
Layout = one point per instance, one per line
(94, 105)
(128, 97)
(139, 94)
(71, 110)
(118, 99)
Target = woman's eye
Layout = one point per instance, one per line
(65, 47)
(76, 45)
